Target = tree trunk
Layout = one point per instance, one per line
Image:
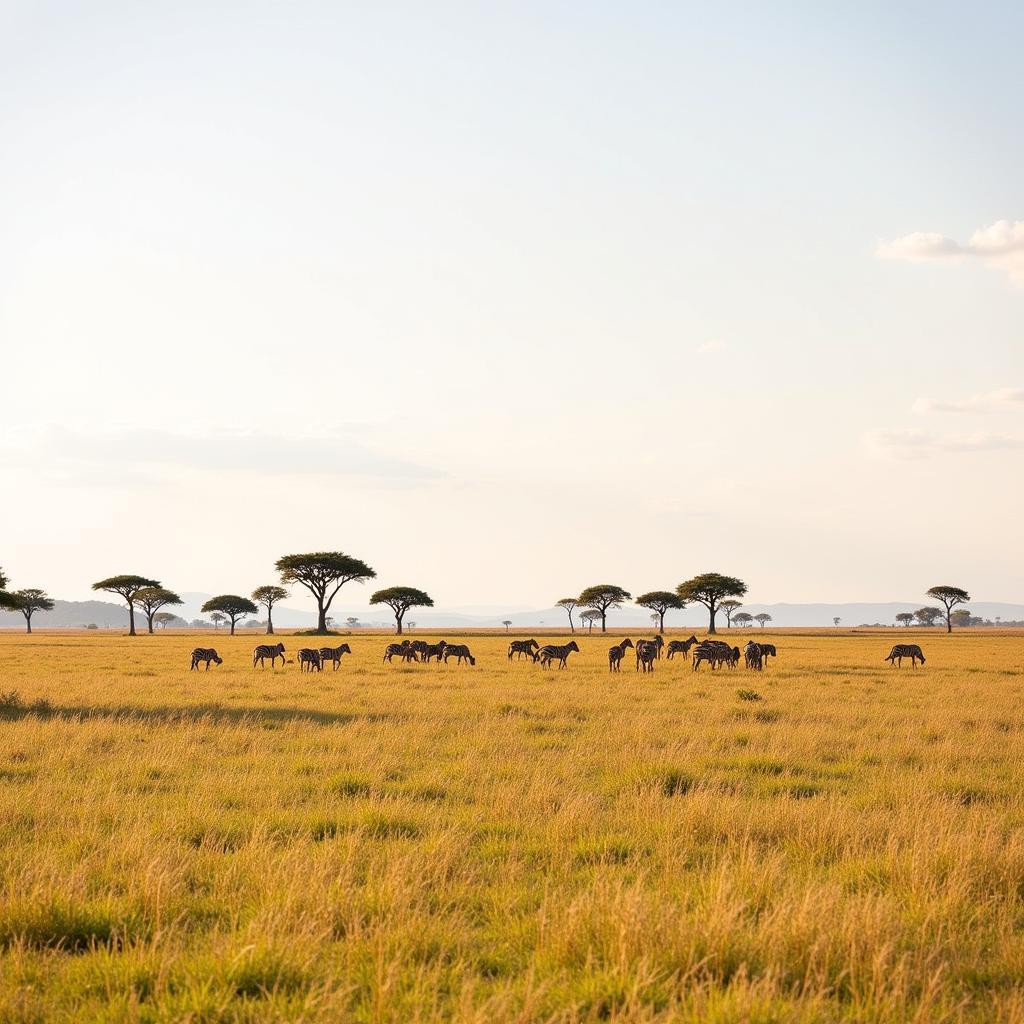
(949, 620)
(28, 623)
(232, 627)
(270, 620)
(711, 624)
(661, 624)
(603, 629)
(131, 618)
(321, 620)
(149, 620)
(398, 623)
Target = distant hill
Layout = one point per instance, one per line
(108, 615)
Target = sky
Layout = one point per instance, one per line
(510, 299)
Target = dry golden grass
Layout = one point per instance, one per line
(845, 842)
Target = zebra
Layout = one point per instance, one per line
(521, 647)
(334, 654)
(552, 652)
(707, 654)
(659, 642)
(271, 651)
(901, 651)
(714, 652)
(646, 653)
(434, 650)
(416, 650)
(401, 650)
(309, 659)
(767, 651)
(459, 652)
(206, 654)
(732, 657)
(752, 656)
(680, 647)
(616, 653)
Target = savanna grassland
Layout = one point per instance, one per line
(840, 841)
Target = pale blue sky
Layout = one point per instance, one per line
(508, 300)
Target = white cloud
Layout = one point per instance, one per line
(1001, 398)
(921, 444)
(999, 245)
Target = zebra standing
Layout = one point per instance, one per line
(334, 654)
(206, 654)
(616, 653)
(521, 647)
(401, 650)
(680, 647)
(901, 651)
(767, 651)
(271, 651)
(459, 652)
(434, 650)
(309, 659)
(646, 653)
(752, 656)
(553, 652)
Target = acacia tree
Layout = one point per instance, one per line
(400, 600)
(590, 616)
(506, 623)
(729, 607)
(836, 620)
(743, 619)
(568, 603)
(659, 602)
(152, 599)
(928, 616)
(30, 601)
(127, 587)
(323, 574)
(710, 589)
(268, 596)
(352, 622)
(6, 600)
(216, 618)
(602, 598)
(164, 619)
(905, 618)
(232, 606)
(763, 619)
(950, 597)
(962, 617)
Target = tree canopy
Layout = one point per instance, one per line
(729, 606)
(152, 599)
(928, 616)
(268, 596)
(743, 618)
(128, 587)
(400, 600)
(659, 602)
(950, 597)
(710, 589)
(323, 574)
(568, 603)
(231, 605)
(601, 598)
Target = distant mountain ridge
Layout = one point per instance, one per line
(110, 615)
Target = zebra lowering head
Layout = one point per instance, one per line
(901, 651)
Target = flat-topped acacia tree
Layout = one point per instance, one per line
(710, 589)
(30, 601)
(730, 607)
(602, 598)
(269, 596)
(128, 587)
(323, 574)
(950, 597)
(152, 599)
(232, 605)
(568, 603)
(400, 600)
(659, 602)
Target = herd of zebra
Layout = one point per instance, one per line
(715, 653)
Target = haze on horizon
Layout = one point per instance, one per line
(509, 302)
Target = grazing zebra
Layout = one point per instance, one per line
(206, 654)
(767, 651)
(334, 654)
(714, 652)
(707, 654)
(732, 657)
(552, 652)
(646, 653)
(271, 651)
(401, 650)
(416, 650)
(752, 656)
(680, 647)
(309, 659)
(901, 651)
(521, 647)
(459, 652)
(434, 650)
(616, 653)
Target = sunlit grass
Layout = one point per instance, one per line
(828, 840)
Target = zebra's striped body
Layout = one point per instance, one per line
(616, 653)
(901, 651)
(752, 656)
(334, 654)
(554, 652)
(271, 651)
(417, 651)
(521, 647)
(460, 652)
(401, 650)
(206, 654)
(715, 653)
(646, 654)
(767, 651)
(680, 647)
(435, 650)
(309, 659)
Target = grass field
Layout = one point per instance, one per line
(841, 841)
